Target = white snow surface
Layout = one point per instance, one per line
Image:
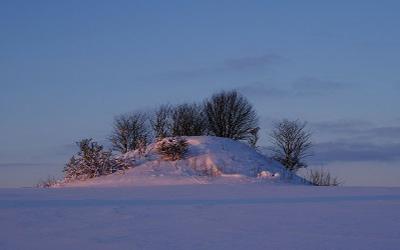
(237, 162)
(230, 216)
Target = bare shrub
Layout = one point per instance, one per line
(130, 131)
(47, 183)
(322, 177)
(173, 148)
(229, 114)
(291, 144)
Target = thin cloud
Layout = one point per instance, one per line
(347, 151)
(357, 141)
(316, 86)
(357, 129)
(341, 126)
(252, 62)
(260, 90)
(230, 65)
(389, 131)
(306, 86)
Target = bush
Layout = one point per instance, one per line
(91, 161)
(130, 132)
(321, 177)
(230, 115)
(173, 148)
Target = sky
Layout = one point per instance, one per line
(68, 67)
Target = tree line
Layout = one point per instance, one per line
(225, 114)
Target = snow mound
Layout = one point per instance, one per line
(209, 160)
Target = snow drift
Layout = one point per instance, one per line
(208, 160)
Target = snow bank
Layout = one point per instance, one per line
(231, 161)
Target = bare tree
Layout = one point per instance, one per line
(188, 120)
(229, 114)
(130, 132)
(291, 144)
(161, 122)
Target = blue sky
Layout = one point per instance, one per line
(68, 67)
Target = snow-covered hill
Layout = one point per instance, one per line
(234, 161)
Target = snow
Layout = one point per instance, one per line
(230, 216)
(237, 162)
(160, 205)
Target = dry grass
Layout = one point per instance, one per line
(322, 177)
